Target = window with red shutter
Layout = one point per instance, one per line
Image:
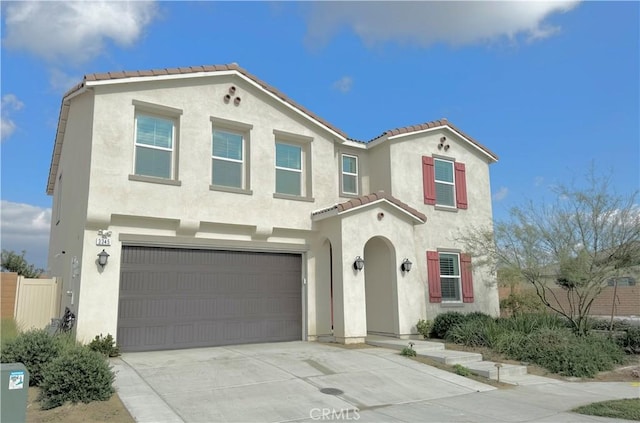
(439, 185)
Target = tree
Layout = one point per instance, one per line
(14, 262)
(584, 238)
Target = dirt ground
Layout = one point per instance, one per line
(97, 411)
(114, 411)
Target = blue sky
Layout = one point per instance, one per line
(550, 87)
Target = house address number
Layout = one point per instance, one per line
(103, 241)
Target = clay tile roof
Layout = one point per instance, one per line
(370, 198)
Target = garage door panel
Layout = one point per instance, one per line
(181, 298)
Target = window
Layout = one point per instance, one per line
(444, 183)
(293, 166)
(154, 146)
(445, 189)
(288, 169)
(349, 174)
(450, 277)
(227, 161)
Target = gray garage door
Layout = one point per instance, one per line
(181, 298)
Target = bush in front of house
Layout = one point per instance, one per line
(475, 331)
(34, 349)
(444, 322)
(561, 351)
(78, 374)
(105, 345)
(424, 327)
(631, 342)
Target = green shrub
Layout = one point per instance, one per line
(511, 344)
(8, 331)
(521, 303)
(478, 316)
(34, 349)
(424, 327)
(561, 351)
(529, 323)
(408, 351)
(444, 322)
(105, 345)
(459, 369)
(631, 343)
(471, 333)
(78, 375)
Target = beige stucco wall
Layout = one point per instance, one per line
(98, 157)
(444, 227)
(67, 229)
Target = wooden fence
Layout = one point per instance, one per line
(31, 302)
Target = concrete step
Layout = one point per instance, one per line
(489, 370)
(398, 344)
(451, 357)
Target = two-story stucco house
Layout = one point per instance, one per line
(230, 214)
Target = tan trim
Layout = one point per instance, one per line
(150, 179)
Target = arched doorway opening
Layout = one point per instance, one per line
(381, 292)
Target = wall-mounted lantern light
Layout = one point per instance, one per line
(358, 264)
(406, 265)
(103, 257)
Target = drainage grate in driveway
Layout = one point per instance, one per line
(331, 391)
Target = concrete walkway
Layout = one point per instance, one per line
(305, 381)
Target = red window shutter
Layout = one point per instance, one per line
(428, 180)
(467, 278)
(433, 273)
(461, 186)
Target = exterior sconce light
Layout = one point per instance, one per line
(358, 264)
(406, 265)
(103, 257)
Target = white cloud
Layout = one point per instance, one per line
(62, 82)
(428, 22)
(26, 227)
(10, 104)
(74, 30)
(501, 194)
(343, 84)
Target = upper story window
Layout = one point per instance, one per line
(293, 166)
(349, 174)
(445, 188)
(288, 169)
(444, 183)
(230, 156)
(154, 146)
(227, 161)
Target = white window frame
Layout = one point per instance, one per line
(242, 160)
(300, 171)
(343, 173)
(452, 183)
(143, 108)
(153, 147)
(304, 143)
(458, 276)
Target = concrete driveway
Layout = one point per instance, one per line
(305, 381)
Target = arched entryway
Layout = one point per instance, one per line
(381, 292)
